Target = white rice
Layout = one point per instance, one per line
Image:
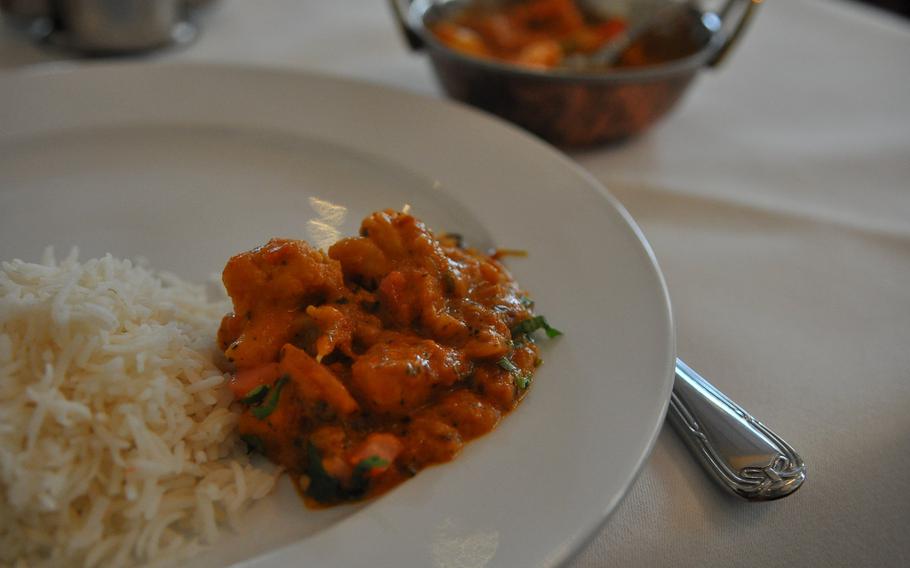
(117, 442)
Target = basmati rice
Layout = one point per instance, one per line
(117, 442)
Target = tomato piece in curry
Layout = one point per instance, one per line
(358, 368)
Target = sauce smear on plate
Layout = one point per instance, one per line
(360, 367)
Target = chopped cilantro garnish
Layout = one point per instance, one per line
(522, 380)
(323, 487)
(327, 489)
(526, 302)
(255, 395)
(262, 412)
(366, 465)
(360, 480)
(531, 325)
(507, 364)
(253, 443)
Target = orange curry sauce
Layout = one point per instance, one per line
(360, 367)
(535, 33)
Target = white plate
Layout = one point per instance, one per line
(186, 165)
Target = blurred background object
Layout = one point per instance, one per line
(520, 60)
(106, 27)
(901, 7)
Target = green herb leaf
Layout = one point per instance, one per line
(327, 489)
(526, 302)
(255, 395)
(507, 364)
(522, 380)
(531, 325)
(360, 480)
(366, 465)
(262, 412)
(323, 487)
(253, 443)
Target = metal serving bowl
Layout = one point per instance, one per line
(106, 27)
(582, 107)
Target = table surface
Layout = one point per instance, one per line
(777, 200)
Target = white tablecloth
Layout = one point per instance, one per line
(777, 199)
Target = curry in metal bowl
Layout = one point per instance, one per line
(538, 63)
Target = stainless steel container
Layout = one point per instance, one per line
(576, 107)
(105, 26)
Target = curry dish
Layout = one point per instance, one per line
(360, 367)
(536, 33)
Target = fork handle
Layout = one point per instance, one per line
(743, 454)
